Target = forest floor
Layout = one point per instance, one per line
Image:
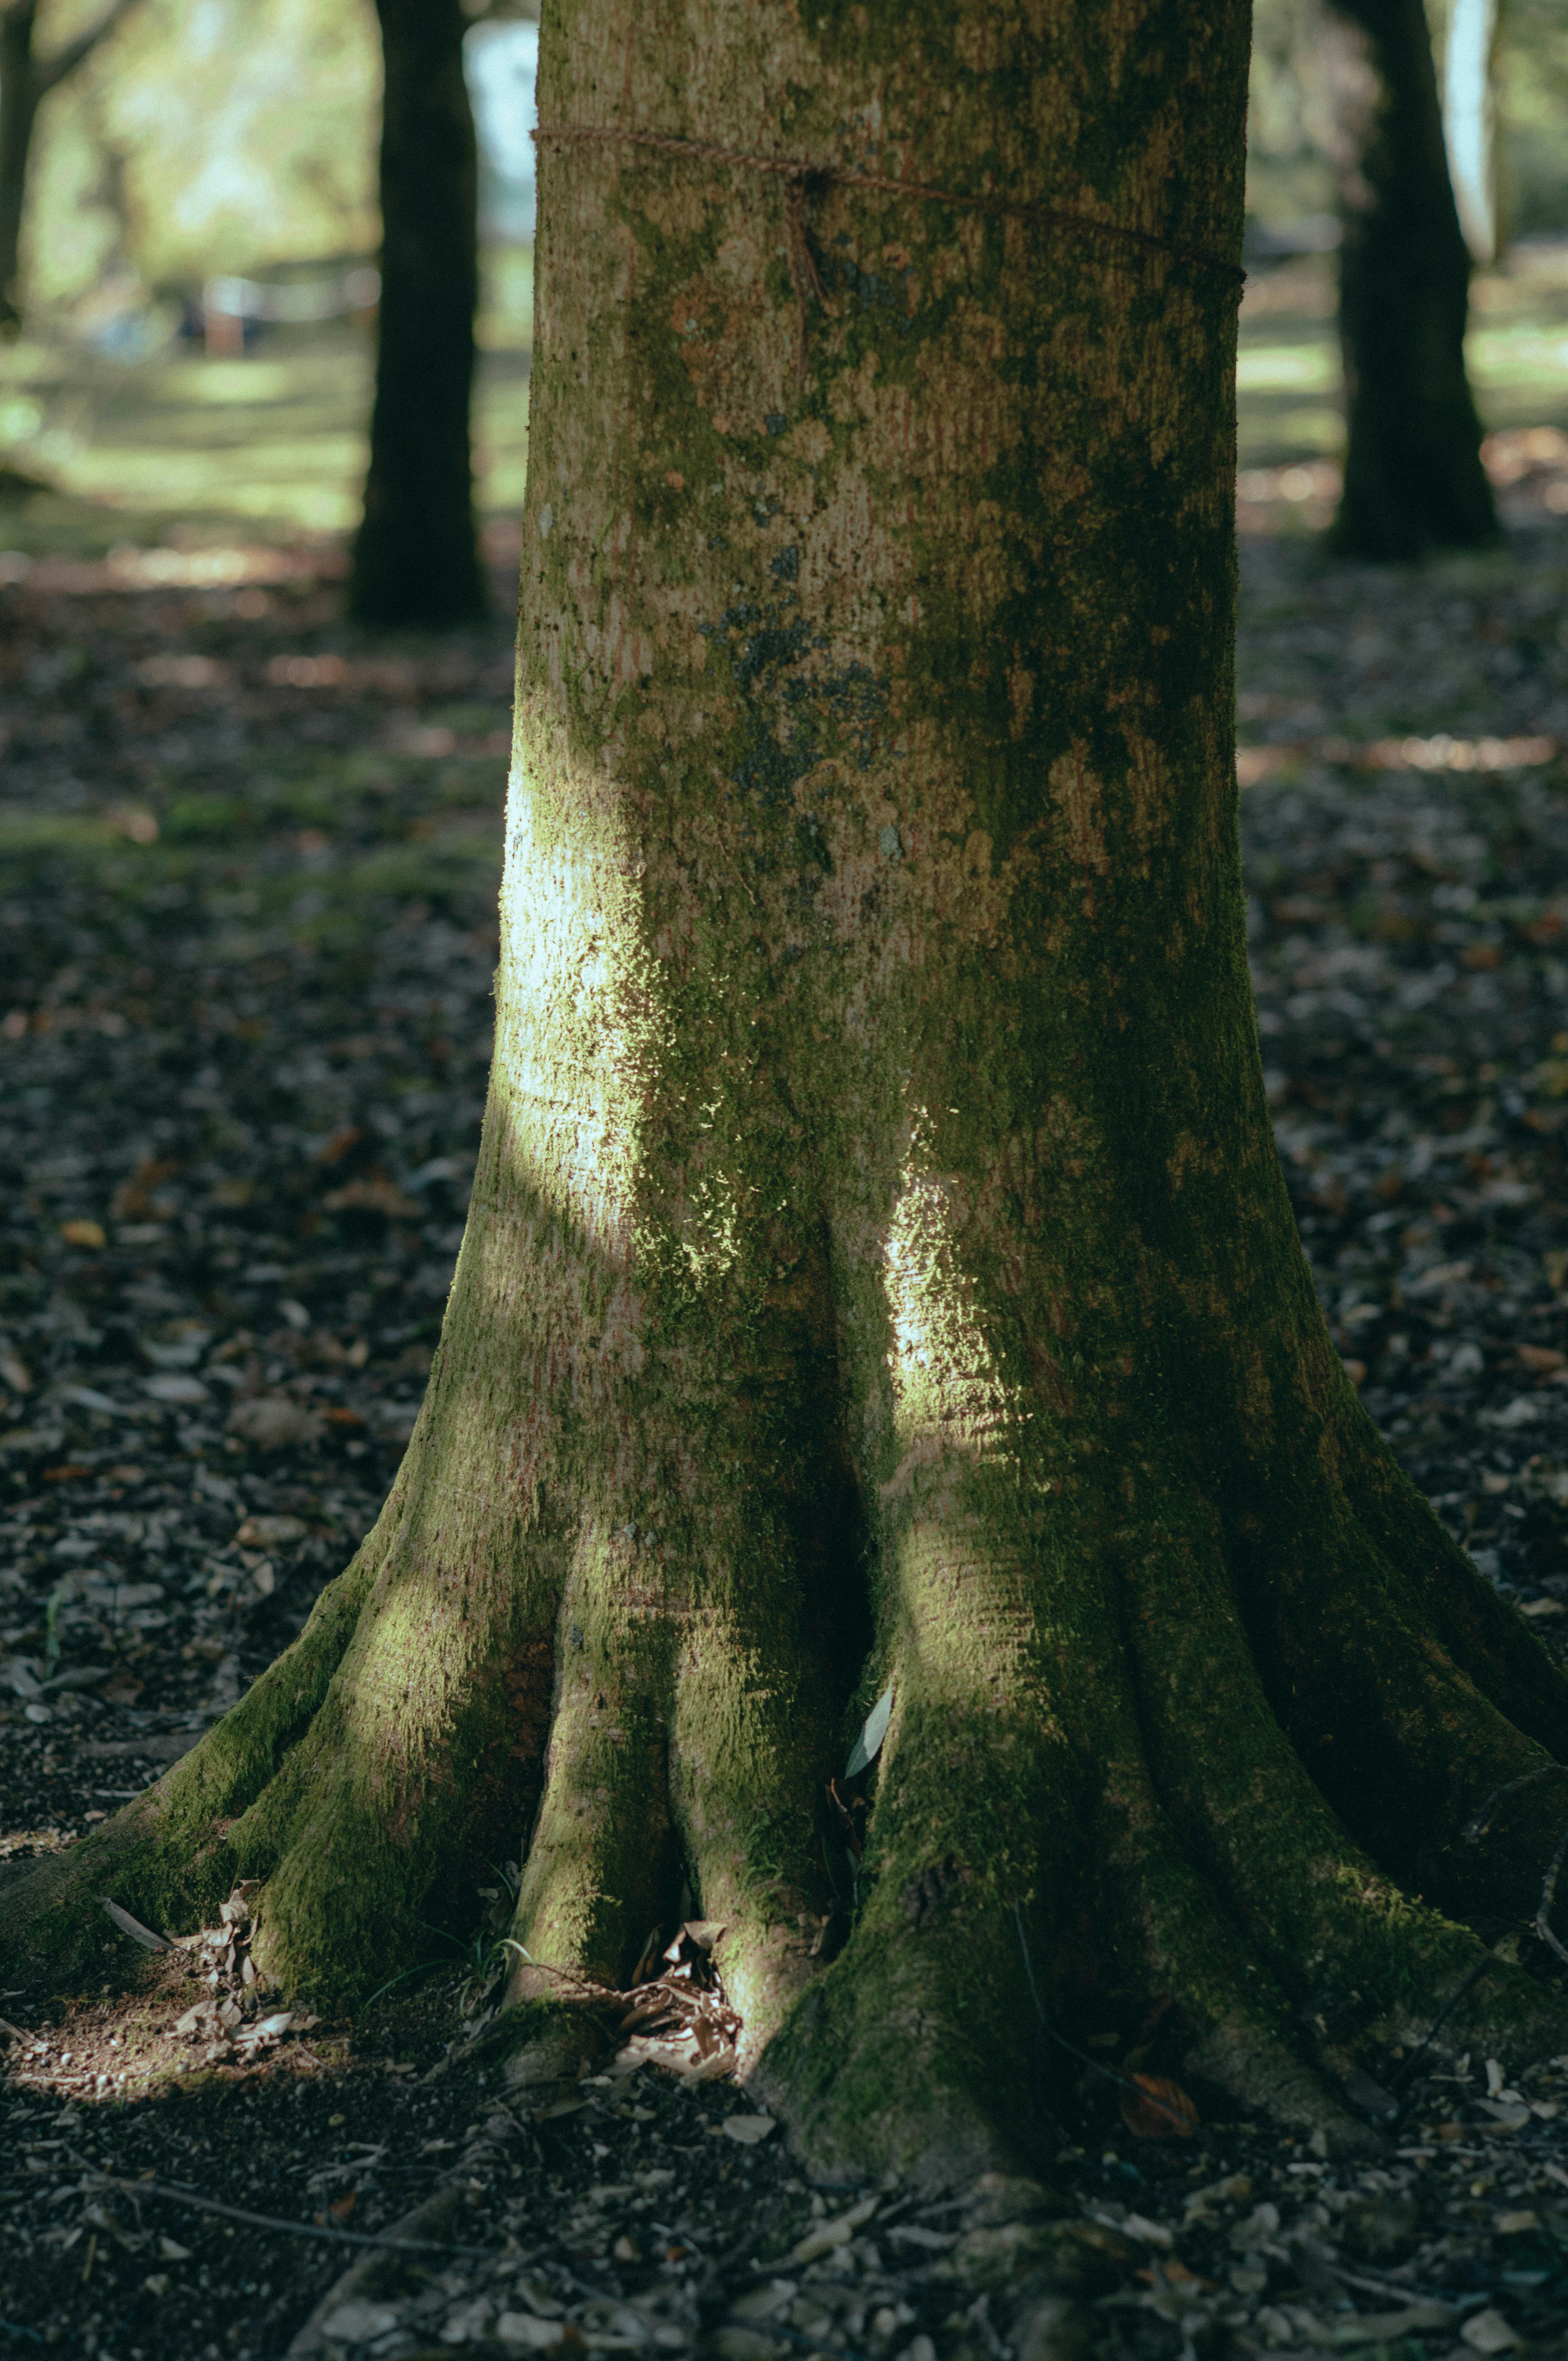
(247, 911)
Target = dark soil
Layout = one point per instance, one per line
(248, 909)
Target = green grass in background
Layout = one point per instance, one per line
(1287, 377)
(273, 446)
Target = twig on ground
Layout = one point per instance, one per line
(1476, 1827)
(1477, 1970)
(275, 2221)
(1548, 1895)
(1122, 2082)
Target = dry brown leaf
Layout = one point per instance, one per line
(1154, 2108)
(132, 1198)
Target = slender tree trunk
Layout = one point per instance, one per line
(18, 111)
(416, 557)
(25, 82)
(1469, 121)
(879, 1276)
(1413, 477)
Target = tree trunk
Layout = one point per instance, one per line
(18, 111)
(25, 82)
(1413, 477)
(416, 557)
(1469, 121)
(879, 1272)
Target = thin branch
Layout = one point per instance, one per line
(1140, 2090)
(1547, 1894)
(1475, 1828)
(50, 70)
(1477, 1970)
(188, 2197)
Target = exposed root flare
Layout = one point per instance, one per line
(1150, 1854)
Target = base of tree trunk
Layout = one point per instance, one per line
(1173, 1858)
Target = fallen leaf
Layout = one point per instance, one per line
(379, 1195)
(270, 1533)
(84, 1234)
(135, 1929)
(133, 1198)
(168, 1386)
(81, 1676)
(829, 2235)
(521, 2328)
(1543, 1357)
(271, 1421)
(1157, 2109)
(749, 2129)
(868, 1746)
(1489, 2332)
(357, 2321)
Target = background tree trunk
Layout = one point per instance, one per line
(879, 1275)
(1413, 477)
(25, 82)
(1469, 121)
(18, 109)
(416, 555)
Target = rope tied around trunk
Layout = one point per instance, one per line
(802, 177)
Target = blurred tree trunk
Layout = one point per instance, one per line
(1413, 477)
(416, 557)
(1469, 121)
(26, 81)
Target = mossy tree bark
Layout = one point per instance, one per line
(416, 557)
(879, 1270)
(1413, 476)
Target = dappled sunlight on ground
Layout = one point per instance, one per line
(276, 440)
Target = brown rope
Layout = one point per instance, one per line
(799, 177)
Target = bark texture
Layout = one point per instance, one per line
(879, 1270)
(416, 557)
(1413, 477)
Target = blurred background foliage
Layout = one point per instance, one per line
(214, 136)
(1290, 135)
(205, 137)
(208, 138)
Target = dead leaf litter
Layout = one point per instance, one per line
(247, 1039)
